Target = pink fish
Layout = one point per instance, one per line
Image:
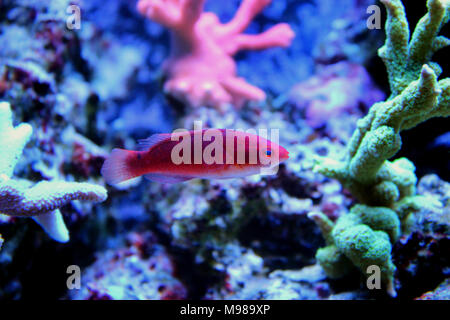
(204, 154)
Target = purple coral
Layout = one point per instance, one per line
(341, 88)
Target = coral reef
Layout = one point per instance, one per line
(85, 91)
(223, 227)
(141, 270)
(442, 292)
(325, 34)
(421, 264)
(43, 200)
(201, 70)
(353, 241)
(436, 217)
(247, 280)
(347, 37)
(387, 188)
(320, 97)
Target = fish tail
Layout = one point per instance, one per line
(116, 168)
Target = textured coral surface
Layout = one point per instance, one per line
(388, 187)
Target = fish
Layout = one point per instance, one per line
(204, 154)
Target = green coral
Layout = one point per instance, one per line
(405, 57)
(387, 188)
(359, 239)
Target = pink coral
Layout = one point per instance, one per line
(201, 70)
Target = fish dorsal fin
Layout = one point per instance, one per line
(146, 144)
(165, 178)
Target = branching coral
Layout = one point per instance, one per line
(388, 189)
(201, 70)
(43, 200)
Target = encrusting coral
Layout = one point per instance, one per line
(201, 70)
(387, 189)
(20, 198)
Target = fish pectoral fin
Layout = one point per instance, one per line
(165, 178)
(269, 171)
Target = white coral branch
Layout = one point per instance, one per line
(43, 200)
(46, 196)
(12, 140)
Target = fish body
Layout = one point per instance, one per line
(181, 156)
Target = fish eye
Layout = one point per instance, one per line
(268, 153)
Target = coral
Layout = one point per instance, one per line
(20, 200)
(43, 200)
(12, 140)
(361, 237)
(84, 91)
(389, 188)
(347, 36)
(201, 70)
(365, 171)
(321, 95)
(405, 56)
(142, 270)
(435, 218)
(421, 264)
(442, 292)
(246, 281)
